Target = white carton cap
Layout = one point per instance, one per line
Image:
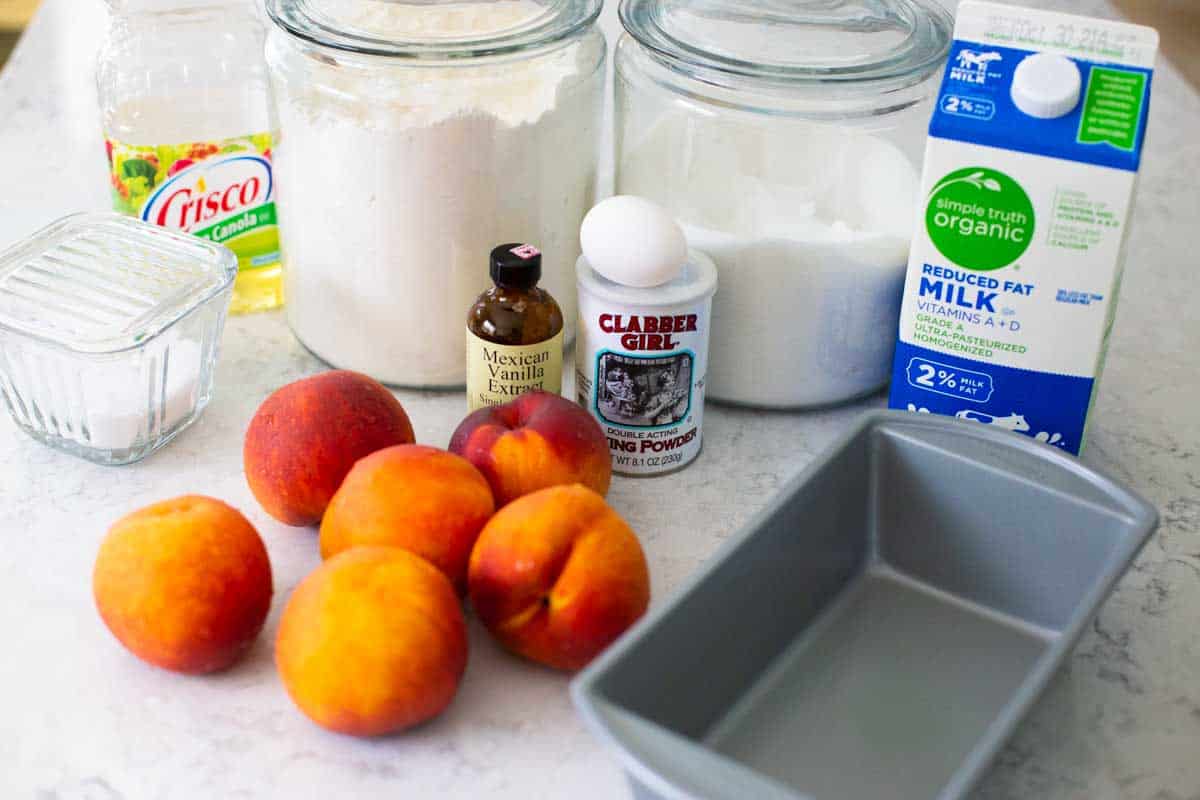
(1046, 85)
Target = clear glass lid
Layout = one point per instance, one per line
(101, 283)
(433, 28)
(805, 41)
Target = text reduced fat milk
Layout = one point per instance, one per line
(1029, 174)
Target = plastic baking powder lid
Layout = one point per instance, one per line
(1046, 85)
(697, 281)
(420, 29)
(831, 41)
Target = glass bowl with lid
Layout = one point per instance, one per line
(110, 330)
(416, 136)
(787, 137)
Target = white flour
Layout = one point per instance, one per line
(809, 227)
(396, 181)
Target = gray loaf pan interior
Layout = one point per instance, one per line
(878, 630)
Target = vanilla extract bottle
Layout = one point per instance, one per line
(514, 331)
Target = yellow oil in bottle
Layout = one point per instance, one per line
(257, 290)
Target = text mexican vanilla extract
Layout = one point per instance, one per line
(514, 332)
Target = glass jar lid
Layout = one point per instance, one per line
(796, 41)
(102, 283)
(433, 29)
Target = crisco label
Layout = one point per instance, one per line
(223, 191)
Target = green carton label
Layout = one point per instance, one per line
(1112, 107)
(979, 218)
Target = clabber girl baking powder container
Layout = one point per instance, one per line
(641, 357)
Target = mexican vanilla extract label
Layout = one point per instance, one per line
(499, 373)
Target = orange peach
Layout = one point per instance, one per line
(305, 437)
(184, 584)
(422, 499)
(538, 440)
(372, 642)
(557, 575)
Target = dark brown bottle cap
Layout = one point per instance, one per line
(516, 265)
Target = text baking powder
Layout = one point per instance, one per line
(641, 357)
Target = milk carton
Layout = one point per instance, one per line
(1026, 196)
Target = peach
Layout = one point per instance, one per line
(305, 437)
(184, 584)
(557, 575)
(422, 499)
(373, 641)
(538, 440)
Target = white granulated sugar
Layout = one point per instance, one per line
(809, 226)
(396, 180)
(116, 410)
(119, 403)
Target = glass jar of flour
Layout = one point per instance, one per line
(414, 136)
(787, 139)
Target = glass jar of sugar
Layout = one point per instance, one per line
(787, 139)
(414, 136)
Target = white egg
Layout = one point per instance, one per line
(632, 241)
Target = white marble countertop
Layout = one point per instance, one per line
(80, 719)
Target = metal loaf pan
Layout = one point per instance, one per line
(878, 631)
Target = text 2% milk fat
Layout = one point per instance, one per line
(641, 357)
(1026, 197)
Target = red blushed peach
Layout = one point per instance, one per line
(557, 575)
(306, 436)
(422, 499)
(184, 584)
(372, 642)
(538, 440)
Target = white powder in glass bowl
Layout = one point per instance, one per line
(396, 179)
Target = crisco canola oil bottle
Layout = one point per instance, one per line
(188, 129)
